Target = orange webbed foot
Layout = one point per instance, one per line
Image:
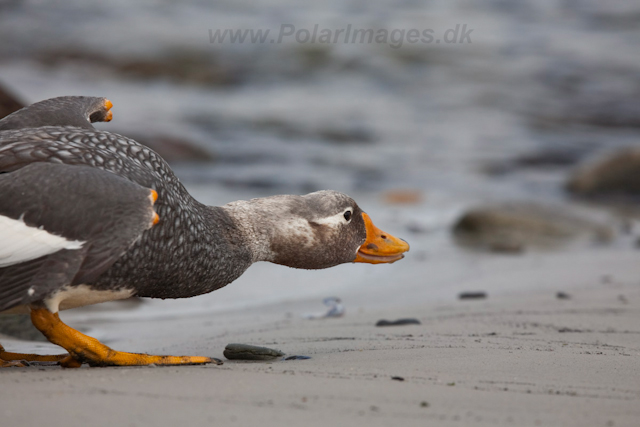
(28, 357)
(85, 349)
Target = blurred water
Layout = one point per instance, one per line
(541, 85)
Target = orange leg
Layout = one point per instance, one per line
(83, 348)
(7, 357)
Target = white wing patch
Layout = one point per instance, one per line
(20, 243)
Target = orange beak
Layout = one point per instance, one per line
(380, 247)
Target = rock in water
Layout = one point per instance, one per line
(514, 227)
(612, 174)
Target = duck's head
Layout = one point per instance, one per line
(317, 230)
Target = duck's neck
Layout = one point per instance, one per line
(256, 227)
(277, 229)
(211, 247)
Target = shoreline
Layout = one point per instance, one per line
(516, 358)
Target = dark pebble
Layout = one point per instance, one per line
(472, 295)
(297, 358)
(562, 330)
(250, 352)
(399, 322)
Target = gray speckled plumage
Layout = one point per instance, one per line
(76, 111)
(194, 249)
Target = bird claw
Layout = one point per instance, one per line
(14, 364)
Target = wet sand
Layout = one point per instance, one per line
(505, 117)
(520, 357)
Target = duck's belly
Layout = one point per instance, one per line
(76, 296)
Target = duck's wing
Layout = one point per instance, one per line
(76, 111)
(65, 225)
(103, 150)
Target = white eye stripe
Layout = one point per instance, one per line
(335, 220)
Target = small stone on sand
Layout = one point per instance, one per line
(399, 322)
(250, 352)
(472, 295)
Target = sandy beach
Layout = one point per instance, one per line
(522, 356)
(538, 107)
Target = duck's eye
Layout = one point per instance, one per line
(347, 215)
